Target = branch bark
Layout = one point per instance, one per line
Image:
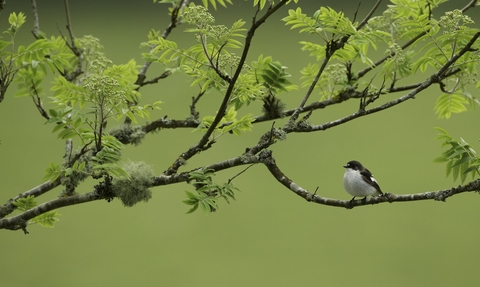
(439, 195)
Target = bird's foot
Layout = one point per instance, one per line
(349, 204)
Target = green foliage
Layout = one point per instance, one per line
(403, 21)
(262, 3)
(30, 64)
(25, 203)
(273, 75)
(46, 219)
(34, 62)
(53, 172)
(135, 187)
(207, 192)
(214, 3)
(105, 161)
(450, 103)
(89, 90)
(461, 158)
(92, 50)
(229, 123)
(441, 48)
(335, 76)
(82, 110)
(16, 21)
(325, 20)
(204, 61)
(399, 65)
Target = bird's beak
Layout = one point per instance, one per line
(345, 166)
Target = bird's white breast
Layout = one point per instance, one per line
(355, 185)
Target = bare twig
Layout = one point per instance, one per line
(238, 174)
(299, 109)
(369, 15)
(470, 4)
(72, 46)
(38, 103)
(156, 79)
(193, 111)
(213, 65)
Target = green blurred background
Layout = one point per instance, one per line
(269, 236)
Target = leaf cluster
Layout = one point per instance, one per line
(461, 158)
(229, 123)
(82, 110)
(207, 191)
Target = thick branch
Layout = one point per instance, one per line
(439, 195)
(19, 221)
(8, 207)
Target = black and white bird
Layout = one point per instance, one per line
(359, 181)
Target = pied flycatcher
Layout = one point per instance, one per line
(359, 181)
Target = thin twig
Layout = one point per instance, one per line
(193, 111)
(369, 15)
(244, 170)
(173, 23)
(470, 4)
(156, 79)
(38, 103)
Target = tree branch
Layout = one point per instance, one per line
(471, 4)
(156, 79)
(19, 221)
(73, 47)
(435, 78)
(202, 144)
(36, 21)
(439, 195)
(369, 15)
(8, 208)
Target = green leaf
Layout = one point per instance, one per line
(447, 104)
(194, 207)
(461, 159)
(46, 219)
(25, 203)
(53, 172)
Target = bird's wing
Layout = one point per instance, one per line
(368, 177)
